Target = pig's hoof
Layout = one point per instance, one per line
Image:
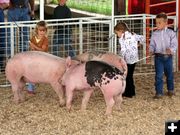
(108, 113)
(16, 102)
(68, 108)
(22, 99)
(118, 109)
(83, 108)
(62, 103)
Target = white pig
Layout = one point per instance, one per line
(35, 67)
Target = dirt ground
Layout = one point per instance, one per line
(41, 114)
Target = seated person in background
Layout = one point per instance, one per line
(62, 36)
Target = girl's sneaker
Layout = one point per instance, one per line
(31, 92)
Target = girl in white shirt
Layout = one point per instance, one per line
(129, 51)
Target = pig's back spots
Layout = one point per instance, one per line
(101, 73)
(96, 53)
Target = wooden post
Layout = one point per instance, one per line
(178, 6)
(119, 7)
(147, 11)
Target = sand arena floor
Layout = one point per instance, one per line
(41, 114)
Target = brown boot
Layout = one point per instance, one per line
(170, 93)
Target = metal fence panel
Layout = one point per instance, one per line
(85, 34)
(66, 37)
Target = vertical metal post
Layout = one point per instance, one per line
(178, 26)
(41, 2)
(12, 40)
(112, 26)
(110, 40)
(144, 34)
(80, 37)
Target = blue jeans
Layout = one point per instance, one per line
(22, 38)
(62, 39)
(31, 87)
(164, 65)
(2, 39)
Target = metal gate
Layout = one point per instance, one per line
(86, 34)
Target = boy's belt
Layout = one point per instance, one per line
(162, 55)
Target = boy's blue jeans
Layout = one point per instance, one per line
(164, 65)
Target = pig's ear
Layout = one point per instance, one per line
(68, 62)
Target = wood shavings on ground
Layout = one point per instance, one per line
(41, 114)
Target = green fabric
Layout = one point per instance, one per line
(54, 1)
(126, 7)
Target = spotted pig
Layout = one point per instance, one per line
(86, 76)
